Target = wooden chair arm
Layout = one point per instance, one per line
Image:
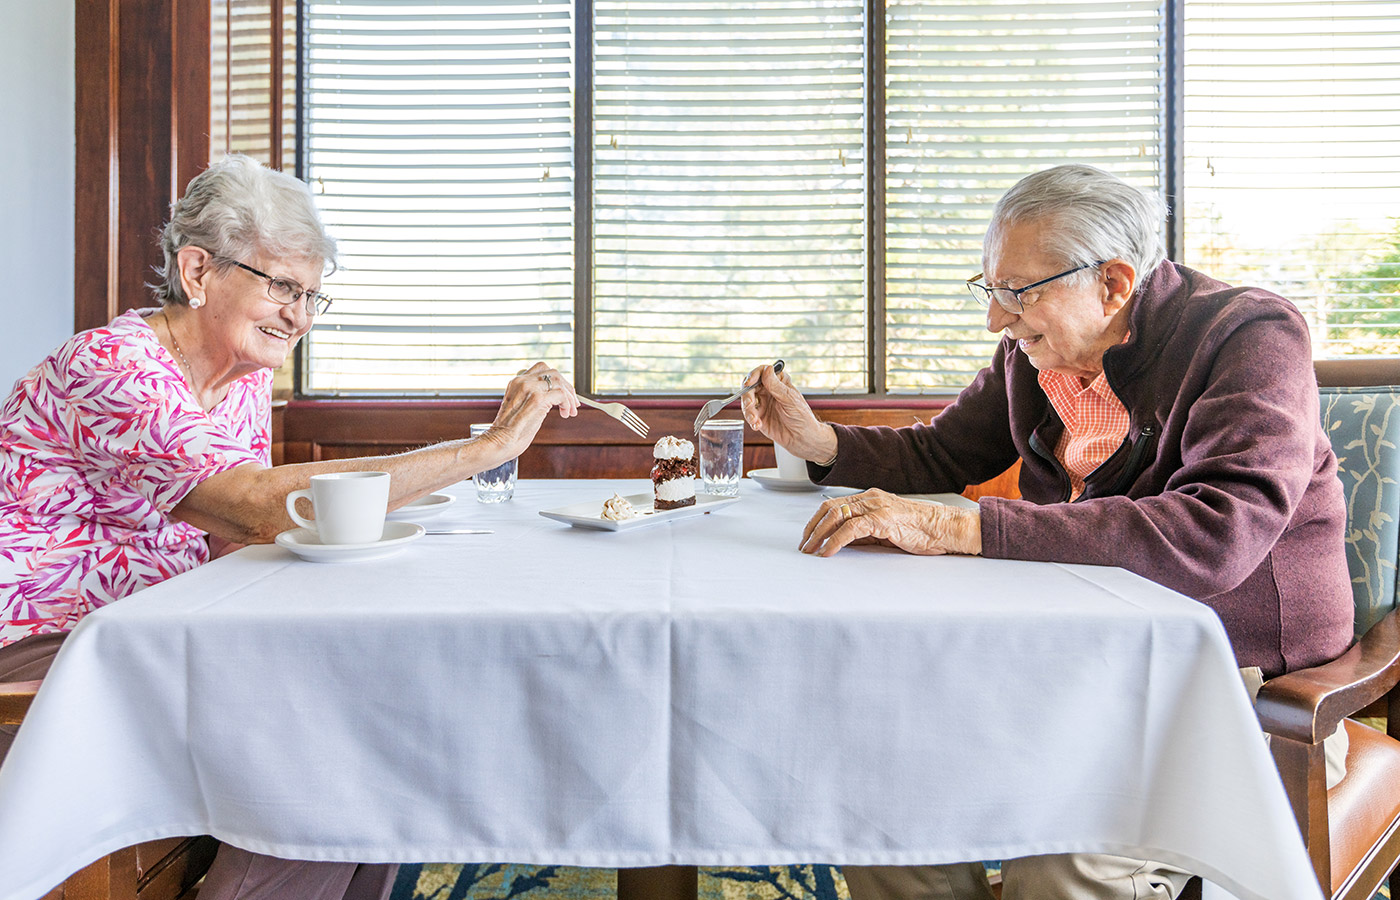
(15, 697)
(1307, 705)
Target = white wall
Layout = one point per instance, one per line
(36, 182)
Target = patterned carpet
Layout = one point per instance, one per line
(447, 881)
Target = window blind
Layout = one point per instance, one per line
(243, 114)
(439, 142)
(729, 203)
(979, 95)
(1292, 132)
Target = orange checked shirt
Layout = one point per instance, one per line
(1096, 422)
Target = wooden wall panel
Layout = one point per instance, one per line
(144, 143)
(95, 195)
(142, 96)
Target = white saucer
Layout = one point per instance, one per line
(769, 479)
(305, 543)
(422, 508)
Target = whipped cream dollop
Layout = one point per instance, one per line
(671, 447)
(617, 508)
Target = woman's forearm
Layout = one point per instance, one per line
(247, 505)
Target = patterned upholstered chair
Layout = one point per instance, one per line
(1352, 831)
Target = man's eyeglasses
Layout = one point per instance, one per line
(1009, 299)
(286, 291)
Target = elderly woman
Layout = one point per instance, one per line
(1165, 422)
(121, 450)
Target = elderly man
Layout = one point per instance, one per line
(1165, 422)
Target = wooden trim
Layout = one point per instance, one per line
(275, 119)
(300, 136)
(875, 113)
(142, 108)
(1360, 372)
(1303, 772)
(190, 100)
(95, 188)
(658, 883)
(1173, 129)
(583, 194)
(170, 868)
(145, 142)
(15, 698)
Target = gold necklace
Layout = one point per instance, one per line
(176, 341)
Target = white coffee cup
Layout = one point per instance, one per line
(790, 466)
(349, 506)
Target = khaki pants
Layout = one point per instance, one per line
(1068, 876)
(236, 874)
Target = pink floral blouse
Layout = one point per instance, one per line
(98, 443)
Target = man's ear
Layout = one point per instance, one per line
(1120, 278)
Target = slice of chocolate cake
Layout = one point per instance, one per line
(673, 476)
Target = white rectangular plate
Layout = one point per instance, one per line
(590, 515)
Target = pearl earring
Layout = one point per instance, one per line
(196, 302)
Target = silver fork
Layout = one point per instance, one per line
(621, 413)
(711, 409)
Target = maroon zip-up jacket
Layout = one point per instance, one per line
(1225, 488)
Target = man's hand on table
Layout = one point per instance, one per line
(878, 517)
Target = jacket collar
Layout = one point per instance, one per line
(1152, 320)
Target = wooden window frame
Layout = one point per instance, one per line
(142, 113)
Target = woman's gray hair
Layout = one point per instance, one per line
(1087, 215)
(235, 209)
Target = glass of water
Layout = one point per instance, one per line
(722, 456)
(494, 485)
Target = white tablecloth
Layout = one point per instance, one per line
(695, 692)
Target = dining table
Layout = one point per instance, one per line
(685, 690)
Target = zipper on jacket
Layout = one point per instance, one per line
(1040, 450)
(1134, 467)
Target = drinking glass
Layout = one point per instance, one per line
(722, 456)
(494, 485)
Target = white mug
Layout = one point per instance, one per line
(349, 506)
(790, 466)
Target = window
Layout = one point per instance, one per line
(980, 95)
(664, 193)
(1293, 159)
(728, 193)
(252, 73)
(439, 138)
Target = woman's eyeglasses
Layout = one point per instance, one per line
(286, 291)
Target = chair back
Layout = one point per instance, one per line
(1362, 421)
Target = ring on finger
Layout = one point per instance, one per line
(845, 511)
(548, 382)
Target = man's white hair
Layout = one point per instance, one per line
(1086, 214)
